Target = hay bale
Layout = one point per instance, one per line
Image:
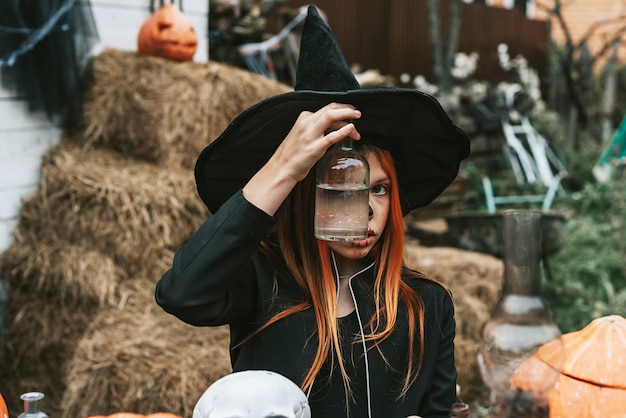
(471, 386)
(115, 201)
(43, 333)
(143, 360)
(163, 111)
(97, 221)
(475, 281)
(54, 288)
(472, 313)
(37, 344)
(70, 273)
(134, 212)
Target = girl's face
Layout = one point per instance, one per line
(379, 201)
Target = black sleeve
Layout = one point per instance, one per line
(442, 393)
(213, 280)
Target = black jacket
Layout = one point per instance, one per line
(220, 277)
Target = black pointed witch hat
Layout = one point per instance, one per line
(426, 145)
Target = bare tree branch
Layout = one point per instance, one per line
(601, 23)
(555, 11)
(608, 44)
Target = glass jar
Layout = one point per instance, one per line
(520, 323)
(342, 194)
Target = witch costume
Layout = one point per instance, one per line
(221, 276)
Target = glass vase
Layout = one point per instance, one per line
(520, 323)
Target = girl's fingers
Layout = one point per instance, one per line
(345, 131)
(312, 134)
(336, 119)
(334, 116)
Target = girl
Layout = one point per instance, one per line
(357, 331)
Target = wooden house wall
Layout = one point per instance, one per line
(392, 36)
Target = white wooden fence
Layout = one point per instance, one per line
(25, 136)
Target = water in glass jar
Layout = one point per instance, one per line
(341, 213)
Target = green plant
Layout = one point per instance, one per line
(589, 272)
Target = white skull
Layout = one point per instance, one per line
(253, 394)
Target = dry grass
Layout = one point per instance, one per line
(475, 281)
(68, 273)
(44, 331)
(132, 211)
(165, 112)
(143, 360)
(115, 200)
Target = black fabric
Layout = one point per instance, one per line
(321, 64)
(220, 278)
(327, 395)
(45, 46)
(428, 147)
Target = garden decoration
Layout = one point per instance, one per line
(531, 157)
(520, 324)
(482, 232)
(614, 156)
(45, 48)
(257, 55)
(167, 33)
(592, 382)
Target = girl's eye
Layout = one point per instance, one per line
(380, 189)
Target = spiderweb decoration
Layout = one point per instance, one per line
(45, 47)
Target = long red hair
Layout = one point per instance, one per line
(308, 260)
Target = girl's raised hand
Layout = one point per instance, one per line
(307, 141)
(312, 134)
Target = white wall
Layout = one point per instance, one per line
(25, 136)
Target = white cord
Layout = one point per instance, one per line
(358, 316)
(367, 365)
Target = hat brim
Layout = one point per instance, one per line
(427, 146)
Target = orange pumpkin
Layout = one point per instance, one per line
(4, 412)
(133, 415)
(167, 33)
(592, 382)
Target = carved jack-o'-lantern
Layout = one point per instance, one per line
(592, 382)
(167, 33)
